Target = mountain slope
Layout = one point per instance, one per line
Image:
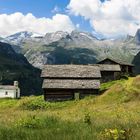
(15, 66)
(136, 62)
(121, 91)
(137, 37)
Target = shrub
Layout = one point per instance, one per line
(125, 77)
(33, 103)
(38, 103)
(116, 134)
(34, 122)
(87, 118)
(29, 122)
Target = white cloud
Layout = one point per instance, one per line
(56, 9)
(17, 22)
(78, 26)
(111, 17)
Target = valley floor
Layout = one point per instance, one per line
(114, 115)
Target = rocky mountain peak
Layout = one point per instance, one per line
(85, 35)
(56, 36)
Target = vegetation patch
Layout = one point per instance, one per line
(35, 122)
(7, 103)
(38, 103)
(116, 134)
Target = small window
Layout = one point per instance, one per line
(6, 93)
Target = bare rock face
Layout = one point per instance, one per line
(39, 59)
(53, 37)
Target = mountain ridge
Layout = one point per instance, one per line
(45, 50)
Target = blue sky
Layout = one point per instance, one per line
(42, 8)
(38, 7)
(87, 15)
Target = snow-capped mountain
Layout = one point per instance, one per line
(75, 47)
(19, 37)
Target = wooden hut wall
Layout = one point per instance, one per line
(84, 93)
(58, 95)
(67, 94)
(127, 69)
(109, 76)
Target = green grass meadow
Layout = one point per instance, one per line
(114, 115)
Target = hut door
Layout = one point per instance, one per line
(16, 93)
(76, 96)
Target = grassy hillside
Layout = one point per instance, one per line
(114, 115)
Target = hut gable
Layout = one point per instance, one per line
(70, 71)
(114, 61)
(71, 84)
(107, 67)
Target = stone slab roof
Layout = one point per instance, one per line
(70, 71)
(107, 67)
(71, 84)
(117, 61)
(7, 87)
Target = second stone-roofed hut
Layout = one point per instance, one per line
(126, 68)
(109, 72)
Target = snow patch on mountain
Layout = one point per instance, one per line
(86, 35)
(19, 37)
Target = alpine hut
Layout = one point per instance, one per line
(10, 91)
(126, 68)
(63, 82)
(109, 72)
